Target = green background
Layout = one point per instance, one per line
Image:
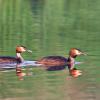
(51, 27)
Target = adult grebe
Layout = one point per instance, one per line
(58, 62)
(17, 59)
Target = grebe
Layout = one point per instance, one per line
(58, 62)
(17, 59)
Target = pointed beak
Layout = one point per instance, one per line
(29, 51)
(83, 53)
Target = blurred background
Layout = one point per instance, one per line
(51, 27)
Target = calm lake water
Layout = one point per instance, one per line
(51, 27)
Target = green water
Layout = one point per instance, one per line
(51, 27)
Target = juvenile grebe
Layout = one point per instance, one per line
(58, 62)
(17, 59)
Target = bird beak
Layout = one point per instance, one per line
(29, 51)
(83, 53)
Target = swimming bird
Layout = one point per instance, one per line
(52, 63)
(15, 60)
(18, 59)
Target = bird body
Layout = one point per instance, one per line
(8, 59)
(17, 59)
(59, 62)
(53, 61)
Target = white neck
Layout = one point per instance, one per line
(72, 62)
(18, 55)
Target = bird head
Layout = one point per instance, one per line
(76, 52)
(20, 49)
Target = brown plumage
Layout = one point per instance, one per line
(8, 59)
(59, 62)
(17, 59)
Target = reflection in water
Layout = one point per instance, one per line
(51, 27)
(23, 64)
(26, 63)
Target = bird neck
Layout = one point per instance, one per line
(71, 62)
(19, 57)
(73, 56)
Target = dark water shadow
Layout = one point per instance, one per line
(55, 68)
